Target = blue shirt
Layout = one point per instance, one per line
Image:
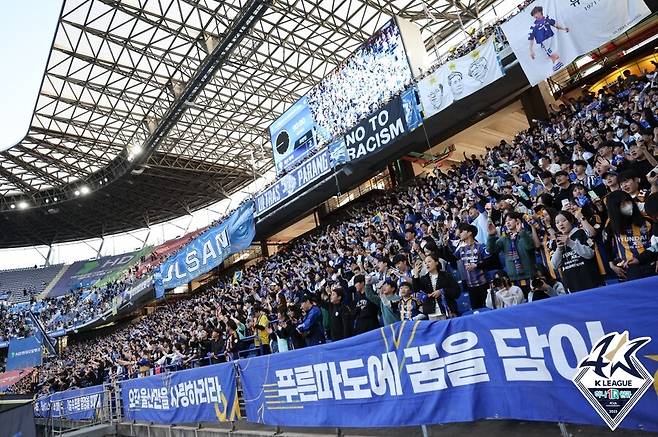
(541, 30)
(312, 326)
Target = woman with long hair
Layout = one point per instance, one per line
(575, 255)
(628, 236)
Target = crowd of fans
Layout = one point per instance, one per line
(567, 206)
(372, 75)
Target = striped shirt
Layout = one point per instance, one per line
(472, 254)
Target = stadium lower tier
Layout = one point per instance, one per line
(585, 358)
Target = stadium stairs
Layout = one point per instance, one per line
(54, 281)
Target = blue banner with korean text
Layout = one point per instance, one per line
(519, 363)
(204, 394)
(209, 250)
(79, 404)
(24, 353)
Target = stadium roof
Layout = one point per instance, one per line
(151, 109)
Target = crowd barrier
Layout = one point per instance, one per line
(517, 363)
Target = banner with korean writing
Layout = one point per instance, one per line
(23, 353)
(547, 35)
(515, 363)
(209, 250)
(79, 404)
(205, 394)
(460, 78)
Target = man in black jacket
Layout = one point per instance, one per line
(340, 315)
(365, 312)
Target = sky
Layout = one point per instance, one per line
(27, 28)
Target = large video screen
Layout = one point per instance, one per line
(374, 73)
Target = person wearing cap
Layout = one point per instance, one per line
(564, 189)
(341, 323)
(365, 312)
(383, 297)
(311, 327)
(611, 180)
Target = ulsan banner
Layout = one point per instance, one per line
(79, 404)
(205, 394)
(301, 176)
(547, 35)
(24, 353)
(534, 361)
(211, 248)
(460, 78)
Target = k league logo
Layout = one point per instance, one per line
(612, 378)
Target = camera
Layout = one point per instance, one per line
(537, 283)
(497, 282)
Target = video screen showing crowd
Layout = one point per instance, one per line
(568, 205)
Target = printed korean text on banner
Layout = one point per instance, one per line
(487, 365)
(205, 394)
(300, 177)
(460, 78)
(211, 248)
(24, 353)
(292, 135)
(79, 404)
(550, 34)
(378, 130)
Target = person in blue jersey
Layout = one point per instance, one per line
(311, 327)
(541, 33)
(628, 236)
(473, 260)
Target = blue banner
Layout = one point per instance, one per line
(300, 177)
(517, 363)
(411, 108)
(79, 404)
(211, 248)
(205, 394)
(23, 353)
(292, 135)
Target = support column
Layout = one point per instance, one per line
(534, 105)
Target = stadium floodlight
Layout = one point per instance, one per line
(55, 199)
(23, 204)
(12, 206)
(84, 189)
(76, 192)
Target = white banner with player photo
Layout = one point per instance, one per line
(459, 78)
(548, 35)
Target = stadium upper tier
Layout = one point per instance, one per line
(149, 112)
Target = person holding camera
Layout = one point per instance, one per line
(575, 256)
(503, 293)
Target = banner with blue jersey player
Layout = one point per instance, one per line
(489, 365)
(547, 35)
